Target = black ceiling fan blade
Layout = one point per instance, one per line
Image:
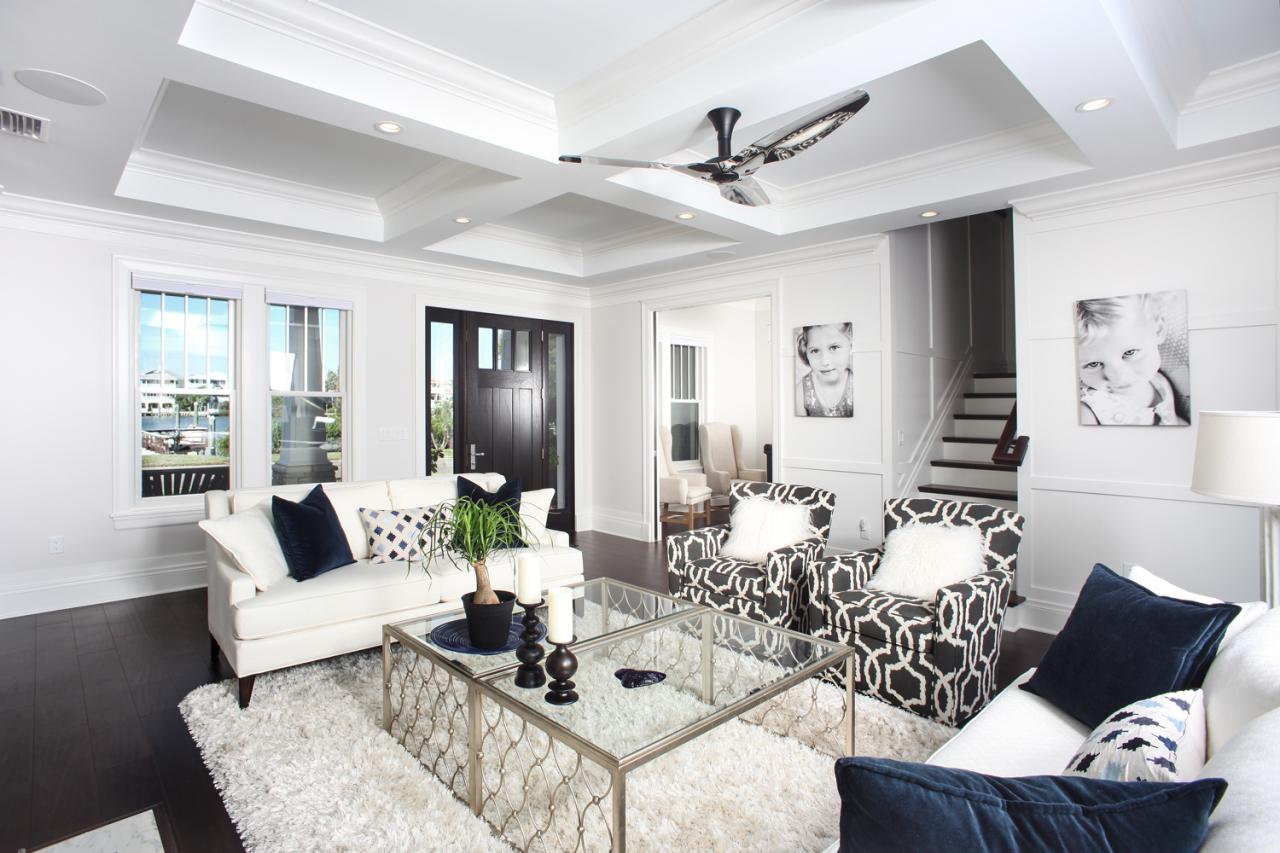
(807, 131)
(690, 169)
(745, 191)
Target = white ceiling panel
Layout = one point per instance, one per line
(1234, 31)
(578, 219)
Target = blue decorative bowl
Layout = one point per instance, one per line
(454, 637)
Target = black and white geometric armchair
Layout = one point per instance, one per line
(933, 658)
(772, 591)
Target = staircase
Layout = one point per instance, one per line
(965, 470)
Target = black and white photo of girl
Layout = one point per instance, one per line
(824, 371)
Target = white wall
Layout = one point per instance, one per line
(1120, 495)
(730, 332)
(56, 338)
(932, 341)
(615, 400)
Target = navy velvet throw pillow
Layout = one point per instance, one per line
(1123, 643)
(310, 535)
(895, 805)
(508, 493)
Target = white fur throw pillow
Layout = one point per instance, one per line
(759, 525)
(920, 559)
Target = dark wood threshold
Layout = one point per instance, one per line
(981, 417)
(961, 439)
(995, 376)
(989, 395)
(972, 466)
(969, 492)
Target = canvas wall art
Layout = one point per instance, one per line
(824, 370)
(1132, 362)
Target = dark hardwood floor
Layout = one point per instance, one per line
(89, 724)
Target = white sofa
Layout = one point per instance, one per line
(343, 610)
(1021, 734)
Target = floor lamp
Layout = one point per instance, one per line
(1238, 458)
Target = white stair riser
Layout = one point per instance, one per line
(979, 429)
(967, 452)
(976, 478)
(994, 386)
(988, 406)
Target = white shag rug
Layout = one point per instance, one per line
(308, 767)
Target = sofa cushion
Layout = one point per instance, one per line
(1018, 734)
(393, 534)
(535, 506)
(893, 619)
(896, 805)
(1244, 681)
(1122, 643)
(558, 565)
(355, 591)
(1246, 817)
(249, 537)
(1249, 610)
(310, 536)
(726, 576)
(347, 498)
(1160, 739)
(422, 491)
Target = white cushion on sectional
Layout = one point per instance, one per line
(1245, 819)
(1243, 682)
(351, 592)
(1018, 734)
(1249, 610)
(347, 498)
(249, 537)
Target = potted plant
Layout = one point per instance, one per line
(468, 532)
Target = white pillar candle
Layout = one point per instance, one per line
(528, 579)
(560, 615)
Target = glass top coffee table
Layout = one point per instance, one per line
(554, 776)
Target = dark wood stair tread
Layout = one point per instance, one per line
(989, 395)
(981, 417)
(969, 492)
(975, 466)
(964, 439)
(995, 376)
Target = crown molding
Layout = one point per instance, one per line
(157, 176)
(514, 246)
(436, 178)
(713, 276)
(1043, 135)
(1179, 180)
(651, 233)
(1236, 82)
(299, 256)
(213, 25)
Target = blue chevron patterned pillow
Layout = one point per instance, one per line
(1161, 739)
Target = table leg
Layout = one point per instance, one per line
(619, 811)
(474, 754)
(708, 670)
(848, 698)
(386, 682)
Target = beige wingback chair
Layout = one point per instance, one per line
(722, 457)
(679, 488)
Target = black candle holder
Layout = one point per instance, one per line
(529, 652)
(561, 665)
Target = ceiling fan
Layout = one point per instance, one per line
(732, 172)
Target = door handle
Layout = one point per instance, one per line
(474, 454)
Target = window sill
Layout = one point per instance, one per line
(162, 516)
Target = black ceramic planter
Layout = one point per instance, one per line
(489, 624)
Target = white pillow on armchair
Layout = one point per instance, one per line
(759, 525)
(920, 559)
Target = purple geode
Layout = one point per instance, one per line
(638, 677)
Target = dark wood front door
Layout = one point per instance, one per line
(502, 423)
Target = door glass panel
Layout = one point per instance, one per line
(504, 349)
(684, 432)
(522, 350)
(441, 387)
(485, 337)
(557, 418)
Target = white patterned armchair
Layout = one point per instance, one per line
(773, 591)
(933, 658)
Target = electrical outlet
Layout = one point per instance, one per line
(902, 438)
(55, 544)
(864, 531)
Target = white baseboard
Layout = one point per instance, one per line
(97, 583)
(1036, 616)
(628, 524)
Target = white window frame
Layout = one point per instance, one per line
(251, 406)
(700, 378)
(300, 300)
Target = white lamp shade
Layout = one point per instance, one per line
(1238, 457)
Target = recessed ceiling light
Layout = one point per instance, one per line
(462, 220)
(1093, 104)
(928, 214)
(387, 127)
(686, 215)
(60, 87)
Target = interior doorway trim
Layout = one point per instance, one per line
(649, 411)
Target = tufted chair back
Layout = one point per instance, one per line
(821, 503)
(1001, 528)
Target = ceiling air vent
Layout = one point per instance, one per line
(14, 123)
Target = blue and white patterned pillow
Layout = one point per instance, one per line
(393, 533)
(1161, 739)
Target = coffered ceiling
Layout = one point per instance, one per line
(259, 115)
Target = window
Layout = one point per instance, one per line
(308, 379)
(688, 376)
(184, 357)
(440, 376)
